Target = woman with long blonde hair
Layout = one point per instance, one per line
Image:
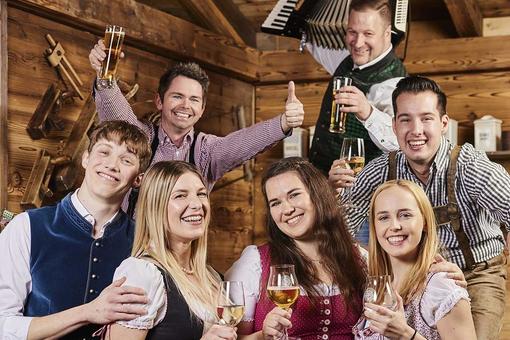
(403, 243)
(169, 259)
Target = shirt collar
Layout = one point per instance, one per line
(80, 208)
(375, 61)
(443, 154)
(163, 137)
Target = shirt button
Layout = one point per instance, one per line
(95, 259)
(326, 302)
(327, 312)
(327, 322)
(324, 329)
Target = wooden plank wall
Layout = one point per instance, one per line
(29, 75)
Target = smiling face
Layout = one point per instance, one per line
(110, 170)
(398, 223)
(290, 205)
(419, 126)
(182, 105)
(188, 208)
(367, 36)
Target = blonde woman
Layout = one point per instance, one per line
(403, 243)
(169, 259)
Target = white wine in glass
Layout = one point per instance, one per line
(353, 153)
(283, 287)
(230, 306)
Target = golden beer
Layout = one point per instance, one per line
(113, 38)
(338, 118)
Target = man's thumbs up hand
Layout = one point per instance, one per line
(294, 113)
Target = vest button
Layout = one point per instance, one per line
(97, 244)
(91, 291)
(95, 259)
(94, 276)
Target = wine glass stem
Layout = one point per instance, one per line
(285, 335)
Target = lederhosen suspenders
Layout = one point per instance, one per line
(448, 213)
(133, 196)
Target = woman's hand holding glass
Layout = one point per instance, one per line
(275, 323)
(385, 321)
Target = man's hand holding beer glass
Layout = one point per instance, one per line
(352, 99)
(97, 55)
(341, 176)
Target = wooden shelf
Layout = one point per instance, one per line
(499, 155)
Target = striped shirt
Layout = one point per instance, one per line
(482, 189)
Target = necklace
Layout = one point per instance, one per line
(187, 271)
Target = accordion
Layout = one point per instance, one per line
(322, 21)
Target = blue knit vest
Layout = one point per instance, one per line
(68, 266)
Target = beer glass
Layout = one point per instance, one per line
(353, 153)
(283, 288)
(380, 292)
(113, 38)
(338, 118)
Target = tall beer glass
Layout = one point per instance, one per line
(113, 38)
(338, 118)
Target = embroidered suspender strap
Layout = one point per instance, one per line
(392, 165)
(133, 195)
(453, 210)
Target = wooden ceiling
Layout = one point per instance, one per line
(246, 16)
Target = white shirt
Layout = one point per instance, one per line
(15, 278)
(379, 123)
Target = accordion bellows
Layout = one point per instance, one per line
(326, 24)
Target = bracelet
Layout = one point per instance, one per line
(414, 334)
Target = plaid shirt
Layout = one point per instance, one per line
(482, 189)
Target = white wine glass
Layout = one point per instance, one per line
(353, 153)
(283, 287)
(230, 304)
(379, 291)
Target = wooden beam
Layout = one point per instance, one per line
(239, 21)
(466, 17)
(214, 20)
(496, 26)
(152, 30)
(4, 150)
(426, 57)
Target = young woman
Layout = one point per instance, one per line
(305, 228)
(403, 243)
(169, 259)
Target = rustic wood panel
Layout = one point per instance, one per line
(153, 30)
(232, 206)
(494, 8)
(466, 17)
(4, 155)
(496, 26)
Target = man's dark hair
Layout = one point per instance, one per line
(415, 85)
(381, 6)
(189, 70)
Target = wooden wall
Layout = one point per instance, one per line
(29, 75)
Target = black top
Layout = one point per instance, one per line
(179, 322)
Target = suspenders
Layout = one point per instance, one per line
(133, 195)
(448, 213)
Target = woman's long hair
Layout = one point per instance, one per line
(340, 256)
(379, 261)
(152, 236)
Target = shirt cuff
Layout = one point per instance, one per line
(15, 327)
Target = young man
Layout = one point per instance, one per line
(58, 261)
(470, 195)
(181, 98)
(371, 64)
